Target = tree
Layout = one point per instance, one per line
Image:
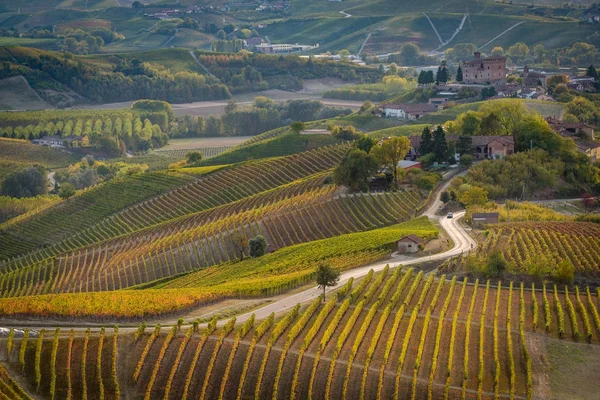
(66, 191)
(221, 35)
(366, 106)
(231, 106)
(442, 74)
(193, 157)
(297, 126)
(28, 182)
(344, 132)
(440, 147)
(496, 263)
(258, 246)
(426, 142)
(354, 170)
(466, 160)
(592, 72)
(474, 196)
(429, 79)
(445, 197)
(391, 152)
(240, 242)
(497, 51)
(421, 78)
(409, 53)
(365, 143)
(344, 53)
(137, 4)
(459, 74)
(327, 277)
(464, 144)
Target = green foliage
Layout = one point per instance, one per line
(193, 158)
(466, 160)
(326, 276)
(297, 126)
(474, 196)
(344, 132)
(66, 191)
(496, 263)
(29, 182)
(258, 246)
(354, 170)
(390, 153)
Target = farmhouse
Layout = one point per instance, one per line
(482, 147)
(407, 111)
(409, 244)
(571, 130)
(478, 220)
(483, 71)
(57, 141)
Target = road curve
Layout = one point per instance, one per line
(462, 244)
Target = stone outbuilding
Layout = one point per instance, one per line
(478, 220)
(409, 244)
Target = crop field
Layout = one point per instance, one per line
(523, 242)
(396, 334)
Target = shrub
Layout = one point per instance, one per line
(258, 246)
(564, 271)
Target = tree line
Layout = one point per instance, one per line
(264, 115)
(130, 80)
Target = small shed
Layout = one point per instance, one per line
(478, 220)
(409, 244)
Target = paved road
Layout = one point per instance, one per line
(462, 244)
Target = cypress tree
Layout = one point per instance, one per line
(426, 142)
(440, 147)
(459, 74)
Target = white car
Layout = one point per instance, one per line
(450, 215)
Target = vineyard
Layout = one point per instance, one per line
(526, 244)
(142, 202)
(397, 335)
(271, 274)
(23, 152)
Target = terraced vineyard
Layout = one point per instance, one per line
(271, 274)
(523, 242)
(397, 334)
(91, 219)
(207, 152)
